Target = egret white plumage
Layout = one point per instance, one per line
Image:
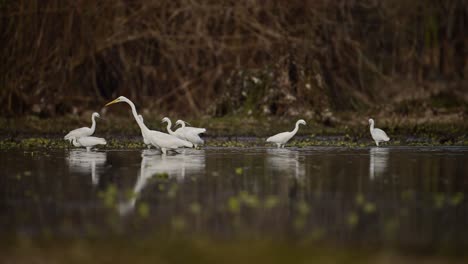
(145, 140)
(282, 138)
(378, 135)
(176, 133)
(196, 130)
(155, 138)
(83, 131)
(87, 142)
(191, 134)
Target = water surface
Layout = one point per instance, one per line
(403, 196)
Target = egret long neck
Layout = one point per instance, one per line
(93, 125)
(295, 128)
(137, 119)
(371, 126)
(169, 124)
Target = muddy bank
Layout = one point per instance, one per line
(241, 131)
(135, 142)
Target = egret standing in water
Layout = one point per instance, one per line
(87, 142)
(145, 140)
(378, 135)
(155, 138)
(282, 138)
(84, 131)
(191, 134)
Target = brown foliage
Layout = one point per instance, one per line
(184, 55)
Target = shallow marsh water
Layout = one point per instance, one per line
(405, 197)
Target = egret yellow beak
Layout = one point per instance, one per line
(113, 102)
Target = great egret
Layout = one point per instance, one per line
(145, 140)
(84, 131)
(191, 129)
(156, 138)
(378, 135)
(190, 133)
(176, 133)
(88, 142)
(282, 138)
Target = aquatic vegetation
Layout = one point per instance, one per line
(457, 198)
(143, 210)
(390, 229)
(407, 195)
(178, 223)
(369, 207)
(303, 208)
(160, 176)
(250, 200)
(195, 208)
(172, 192)
(317, 234)
(109, 196)
(271, 201)
(248, 194)
(357, 141)
(360, 199)
(233, 205)
(299, 222)
(239, 171)
(352, 219)
(439, 200)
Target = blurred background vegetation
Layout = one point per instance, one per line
(215, 58)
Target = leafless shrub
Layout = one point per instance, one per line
(178, 55)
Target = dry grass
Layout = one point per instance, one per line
(219, 57)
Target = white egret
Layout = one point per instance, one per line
(145, 140)
(378, 135)
(282, 138)
(88, 142)
(176, 133)
(190, 133)
(156, 138)
(84, 131)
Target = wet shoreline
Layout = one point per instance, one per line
(135, 142)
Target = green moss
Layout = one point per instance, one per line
(54, 143)
(126, 143)
(234, 131)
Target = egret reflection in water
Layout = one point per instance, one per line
(378, 162)
(424, 199)
(176, 167)
(81, 161)
(287, 161)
